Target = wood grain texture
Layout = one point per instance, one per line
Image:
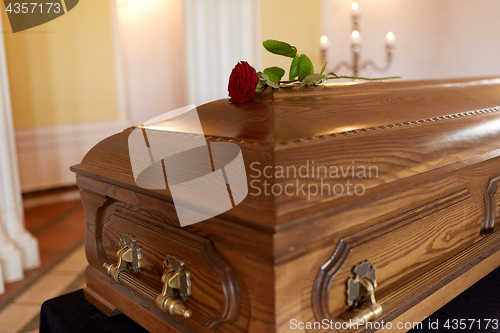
(304, 247)
(216, 294)
(427, 219)
(408, 243)
(405, 129)
(94, 206)
(133, 306)
(247, 250)
(457, 282)
(491, 203)
(100, 303)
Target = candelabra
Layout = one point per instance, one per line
(357, 64)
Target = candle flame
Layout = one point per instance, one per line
(324, 39)
(355, 6)
(355, 34)
(390, 35)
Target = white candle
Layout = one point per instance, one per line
(355, 37)
(324, 42)
(390, 39)
(355, 9)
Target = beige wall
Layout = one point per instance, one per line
(63, 72)
(434, 39)
(297, 22)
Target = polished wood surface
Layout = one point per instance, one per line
(404, 138)
(217, 288)
(402, 248)
(244, 255)
(433, 300)
(427, 218)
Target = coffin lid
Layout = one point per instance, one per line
(433, 124)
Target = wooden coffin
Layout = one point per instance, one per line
(424, 219)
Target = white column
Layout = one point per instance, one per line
(13, 235)
(11, 263)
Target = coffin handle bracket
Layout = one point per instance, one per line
(129, 258)
(176, 278)
(361, 296)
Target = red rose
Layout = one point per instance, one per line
(242, 83)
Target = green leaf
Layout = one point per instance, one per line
(262, 81)
(305, 67)
(323, 68)
(308, 81)
(275, 73)
(281, 48)
(269, 82)
(313, 80)
(294, 68)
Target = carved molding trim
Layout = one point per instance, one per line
(387, 127)
(490, 205)
(313, 139)
(324, 279)
(232, 295)
(328, 271)
(209, 138)
(94, 206)
(228, 280)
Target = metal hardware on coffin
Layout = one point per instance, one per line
(129, 258)
(176, 278)
(176, 287)
(361, 295)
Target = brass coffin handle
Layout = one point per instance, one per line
(361, 295)
(176, 278)
(361, 287)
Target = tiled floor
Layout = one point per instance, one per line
(60, 230)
